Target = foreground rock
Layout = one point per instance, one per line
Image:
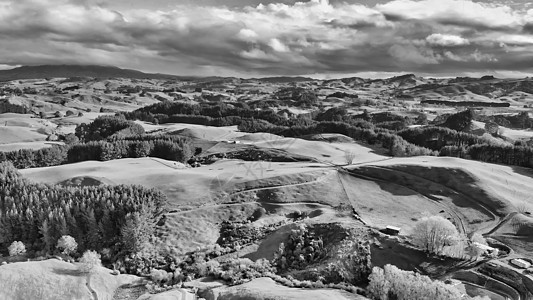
(267, 289)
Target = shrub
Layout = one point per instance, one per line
(67, 245)
(16, 248)
(89, 261)
(160, 276)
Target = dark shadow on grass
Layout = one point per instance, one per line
(523, 171)
(433, 183)
(69, 272)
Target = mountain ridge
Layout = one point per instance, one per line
(66, 71)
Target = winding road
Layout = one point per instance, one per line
(89, 287)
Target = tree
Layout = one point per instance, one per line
(16, 248)
(492, 128)
(67, 244)
(71, 138)
(137, 231)
(45, 231)
(422, 119)
(349, 157)
(89, 261)
(433, 233)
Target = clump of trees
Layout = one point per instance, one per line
(301, 96)
(348, 261)
(351, 262)
(437, 138)
(465, 145)
(520, 120)
(302, 249)
(396, 145)
(104, 127)
(162, 146)
(29, 158)
(6, 107)
(459, 121)
(218, 114)
(106, 138)
(392, 283)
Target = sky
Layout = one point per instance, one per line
(250, 38)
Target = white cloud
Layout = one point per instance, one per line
(278, 46)
(247, 34)
(465, 12)
(452, 56)
(258, 54)
(446, 40)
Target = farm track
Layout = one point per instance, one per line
(238, 204)
(502, 222)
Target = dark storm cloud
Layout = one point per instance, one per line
(528, 28)
(282, 37)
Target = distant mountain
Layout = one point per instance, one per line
(66, 71)
(282, 79)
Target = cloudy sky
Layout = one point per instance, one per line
(282, 37)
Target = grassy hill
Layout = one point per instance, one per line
(53, 279)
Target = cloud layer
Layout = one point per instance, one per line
(426, 36)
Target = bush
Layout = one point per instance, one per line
(89, 261)
(16, 248)
(67, 245)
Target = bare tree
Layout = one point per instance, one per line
(349, 157)
(524, 208)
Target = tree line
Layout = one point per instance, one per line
(205, 113)
(449, 142)
(106, 138)
(362, 131)
(166, 147)
(6, 107)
